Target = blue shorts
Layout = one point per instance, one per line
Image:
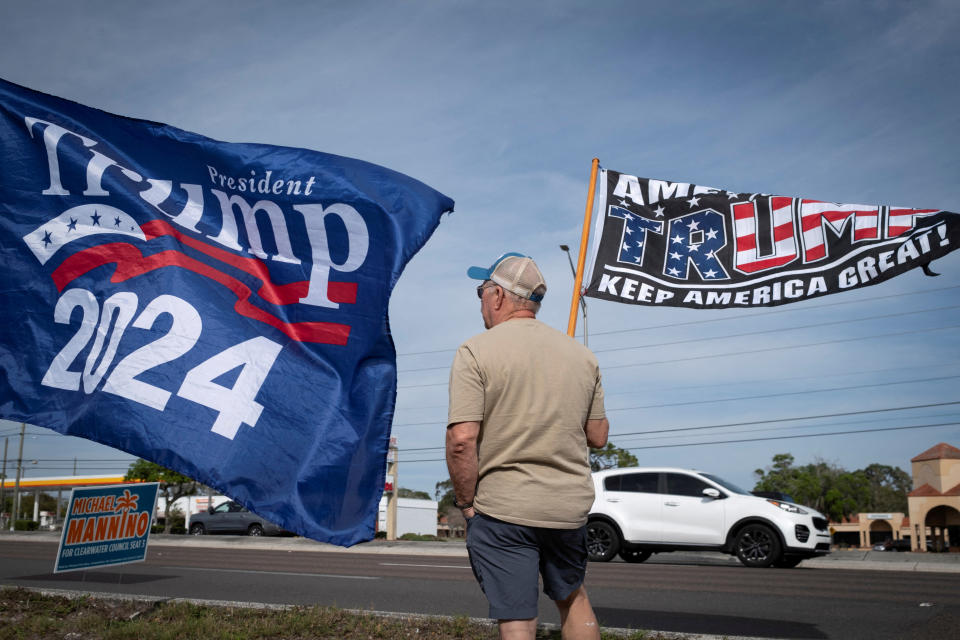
(507, 558)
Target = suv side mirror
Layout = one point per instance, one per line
(710, 492)
(210, 510)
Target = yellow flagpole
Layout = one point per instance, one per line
(582, 256)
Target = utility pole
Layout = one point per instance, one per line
(393, 477)
(16, 489)
(3, 480)
(583, 303)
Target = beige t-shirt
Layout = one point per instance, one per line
(532, 388)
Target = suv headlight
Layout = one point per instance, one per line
(786, 506)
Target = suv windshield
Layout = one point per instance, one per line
(725, 484)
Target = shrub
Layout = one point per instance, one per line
(419, 537)
(26, 525)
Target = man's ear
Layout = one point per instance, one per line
(501, 297)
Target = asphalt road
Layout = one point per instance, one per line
(706, 597)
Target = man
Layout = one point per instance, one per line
(525, 404)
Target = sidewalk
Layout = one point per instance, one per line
(841, 559)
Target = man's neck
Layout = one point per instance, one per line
(515, 315)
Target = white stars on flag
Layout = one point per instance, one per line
(632, 252)
(79, 222)
(694, 241)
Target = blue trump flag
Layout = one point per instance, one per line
(219, 309)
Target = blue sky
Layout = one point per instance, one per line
(502, 105)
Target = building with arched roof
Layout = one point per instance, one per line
(934, 503)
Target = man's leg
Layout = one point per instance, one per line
(504, 558)
(577, 619)
(518, 629)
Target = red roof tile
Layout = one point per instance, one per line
(953, 492)
(922, 491)
(939, 452)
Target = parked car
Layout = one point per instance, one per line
(641, 511)
(231, 517)
(892, 545)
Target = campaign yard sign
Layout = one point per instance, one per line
(678, 244)
(106, 526)
(217, 308)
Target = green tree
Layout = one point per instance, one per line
(444, 495)
(888, 488)
(173, 485)
(47, 503)
(778, 476)
(410, 493)
(611, 457)
(847, 494)
(835, 491)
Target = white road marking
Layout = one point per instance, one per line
(435, 566)
(281, 573)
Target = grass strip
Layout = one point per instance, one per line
(29, 615)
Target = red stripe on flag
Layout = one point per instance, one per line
(743, 210)
(896, 229)
(340, 292)
(783, 232)
(764, 263)
(130, 263)
(815, 253)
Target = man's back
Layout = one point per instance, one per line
(532, 388)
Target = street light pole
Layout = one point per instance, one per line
(16, 489)
(3, 480)
(583, 303)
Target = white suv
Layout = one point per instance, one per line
(640, 511)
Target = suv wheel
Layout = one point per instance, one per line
(603, 542)
(197, 529)
(634, 555)
(757, 546)
(255, 530)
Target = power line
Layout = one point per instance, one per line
(781, 348)
(796, 436)
(756, 422)
(785, 393)
(751, 316)
(799, 435)
(941, 416)
(792, 419)
(781, 394)
(776, 330)
(735, 383)
(116, 460)
(736, 335)
(913, 331)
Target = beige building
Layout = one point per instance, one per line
(934, 505)
(867, 529)
(934, 502)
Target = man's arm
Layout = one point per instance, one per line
(597, 430)
(462, 461)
